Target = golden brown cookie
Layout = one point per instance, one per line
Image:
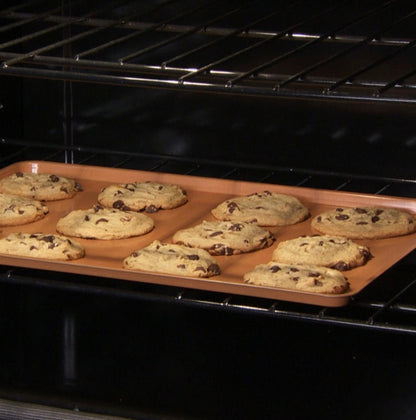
(103, 223)
(330, 251)
(46, 187)
(147, 196)
(225, 238)
(173, 259)
(39, 245)
(16, 210)
(365, 222)
(264, 208)
(305, 278)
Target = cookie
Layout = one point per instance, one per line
(16, 210)
(148, 196)
(173, 259)
(103, 223)
(39, 245)
(224, 237)
(45, 187)
(264, 208)
(304, 278)
(365, 222)
(329, 251)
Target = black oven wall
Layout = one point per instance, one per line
(363, 139)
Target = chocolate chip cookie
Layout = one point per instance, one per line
(305, 278)
(173, 259)
(148, 196)
(365, 222)
(16, 210)
(263, 208)
(330, 251)
(103, 223)
(224, 237)
(39, 245)
(44, 187)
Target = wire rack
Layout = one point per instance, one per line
(387, 304)
(302, 49)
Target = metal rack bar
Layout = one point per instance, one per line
(280, 34)
(369, 39)
(363, 69)
(243, 30)
(394, 83)
(179, 36)
(327, 35)
(125, 21)
(38, 62)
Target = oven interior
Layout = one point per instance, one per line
(315, 94)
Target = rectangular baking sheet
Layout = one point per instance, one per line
(104, 258)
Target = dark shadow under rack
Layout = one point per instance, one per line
(251, 47)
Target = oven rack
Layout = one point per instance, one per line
(350, 50)
(387, 304)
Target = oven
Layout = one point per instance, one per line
(317, 95)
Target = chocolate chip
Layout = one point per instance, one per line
(319, 219)
(275, 268)
(218, 232)
(360, 210)
(313, 274)
(339, 209)
(54, 178)
(221, 249)
(181, 266)
(362, 223)
(214, 268)
(87, 218)
(98, 207)
(341, 266)
(318, 283)
(47, 238)
(119, 204)
(102, 219)
(151, 209)
(342, 217)
(366, 253)
(375, 219)
(236, 227)
(232, 205)
(193, 257)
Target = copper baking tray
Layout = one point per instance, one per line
(104, 258)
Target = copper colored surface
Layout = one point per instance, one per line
(104, 258)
